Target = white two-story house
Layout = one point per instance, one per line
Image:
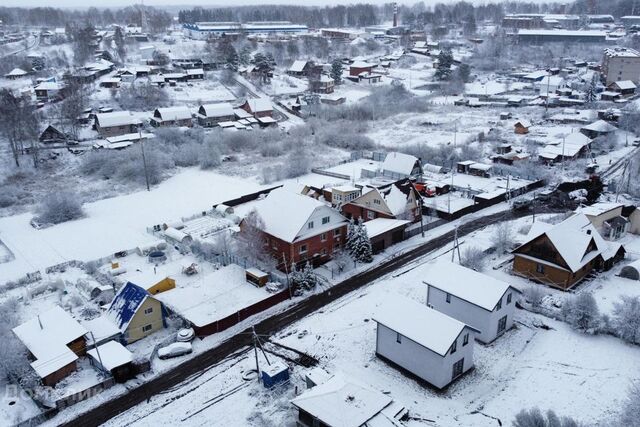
(476, 299)
(428, 344)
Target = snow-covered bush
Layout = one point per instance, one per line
(209, 156)
(625, 319)
(535, 418)
(502, 238)
(59, 207)
(534, 296)
(630, 416)
(473, 258)
(298, 162)
(581, 312)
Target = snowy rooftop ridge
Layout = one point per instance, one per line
(339, 403)
(426, 326)
(46, 336)
(469, 285)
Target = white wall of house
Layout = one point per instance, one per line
(420, 361)
(483, 320)
(335, 220)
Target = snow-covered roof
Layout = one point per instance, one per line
(599, 208)
(46, 336)
(339, 403)
(259, 104)
(125, 305)
(116, 118)
(564, 33)
(399, 163)
(378, 226)
(325, 79)
(111, 355)
(16, 72)
(174, 113)
(194, 71)
(625, 84)
(600, 126)
(469, 285)
(221, 109)
(285, 213)
(48, 86)
(297, 66)
(361, 64)
(100, 328)
(523, 123)
(571, 238)
(421, 324)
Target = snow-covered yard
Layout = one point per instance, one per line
(555, 369)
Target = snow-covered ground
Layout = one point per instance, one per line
(114, 224)
(552, 368)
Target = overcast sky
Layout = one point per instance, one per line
(205, 3)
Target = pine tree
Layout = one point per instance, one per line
(336, 71)
(591, 94)
(358, 243)
(118, 38)
(303, 280)
(351, 231)
(445, 60)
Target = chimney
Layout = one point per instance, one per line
(589, 232)
(395, 15)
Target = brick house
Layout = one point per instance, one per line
(562, 255)
(116, 123)
(210, 115)
(359, 67)
(298, 228)
(398, 200)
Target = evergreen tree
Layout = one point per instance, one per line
(118, 38)
(303, 280)
(351, 231)
(590, 92)
(358, 243)
(336, 71)
(245, 55)
(228, 55)
(445, 60)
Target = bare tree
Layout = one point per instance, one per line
(251, 239)
(502, 238)
(18, 124)
(473, 258)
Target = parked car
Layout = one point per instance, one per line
(522, 204)
(174, 350)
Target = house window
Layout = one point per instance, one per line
(449, 298)
(371, 215)
(324, 251)
(398, 338)
(499, 305)
(465, 339)
(326, 220)
(540, 268)
(336, 232)
(323, 237)
(147, 328)
(303, 249)
(377, 202)
(148, 310)
(310, 225)
(502, 324)
(457, 369)
(454, 347)
(509, 298)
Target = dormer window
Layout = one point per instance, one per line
(310, 225)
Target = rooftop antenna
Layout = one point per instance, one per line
(395, 15)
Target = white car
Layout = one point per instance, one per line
(174, 350)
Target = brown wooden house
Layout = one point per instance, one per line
(562, 255)
(55, 340)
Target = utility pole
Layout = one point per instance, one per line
(286, 271)
(97, 350)
(533, 205)
(562, 158)
(456, 246)
(144, 159)
(546, 105)
(255, 350)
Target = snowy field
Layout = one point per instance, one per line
(114, 224)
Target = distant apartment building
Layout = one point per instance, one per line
(619, 64)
